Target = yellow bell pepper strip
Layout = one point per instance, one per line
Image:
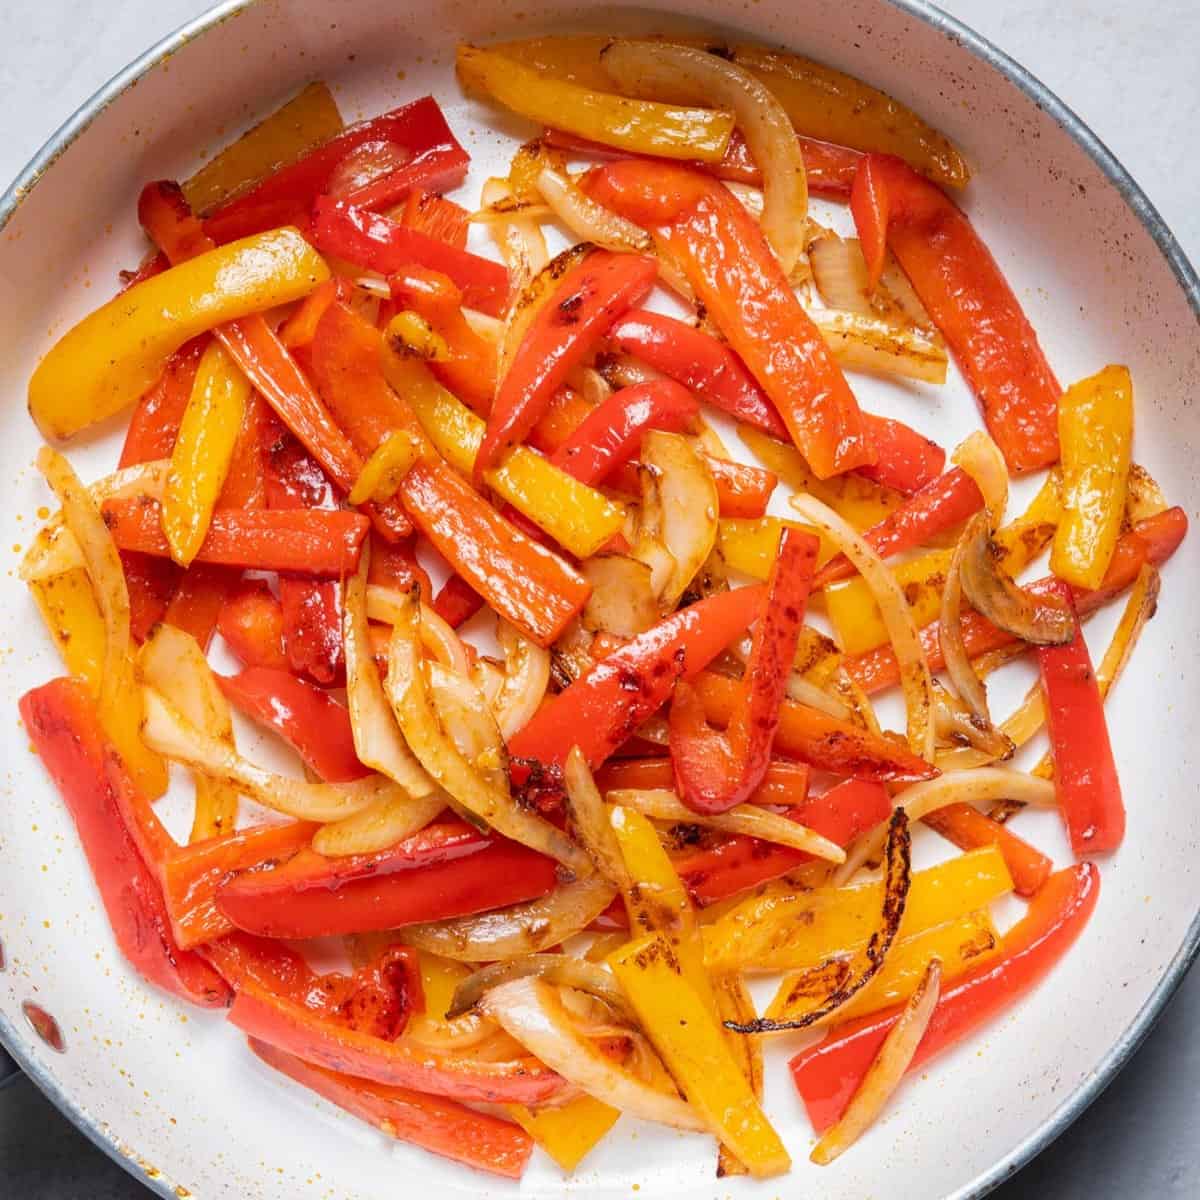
(1095, 433)
(965, 942)
(734, 1003)
(750, 545)
(75, 622)
(306, 120)
(383, 472)
(568, 1131)
(636, 126)
(784, 929)
(203, 451)
(577, 516)
(111, 357)
(693, 1047)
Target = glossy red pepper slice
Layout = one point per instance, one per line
(199, 598)
(151, 581)
(251, 622)
(437, 217)
(457, 601)
(154, 425)
(908, 461)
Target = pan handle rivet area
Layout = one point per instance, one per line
(44, 1025)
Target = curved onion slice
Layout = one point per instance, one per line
(970, 688)
(840, 273)
(958, 726)
(862, 342)
(915, 677)
(750, 198)
(521, 929)
(687, 75)
(747, 819)
(623, 600)
(530, 1011)
(981, 785)
(164, 730)
(590, 819)
(980, 457)
(464, 714)
(437, 635)
(410, 697)
(526, 677)
(886, 1070)
(55, 549)
(589, 220)
(801, 689)
(679, 507)
(518, 237)
(563, 970)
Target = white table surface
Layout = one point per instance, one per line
(1129, 69)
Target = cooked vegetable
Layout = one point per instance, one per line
(560, 969)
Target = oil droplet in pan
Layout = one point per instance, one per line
(44, 1025)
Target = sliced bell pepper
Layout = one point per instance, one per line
(1085, 774)
(457, 601)
(603, 709)
(251, 622)
(907, 461)
(413, 144)
(299, 329)
(154, 425)
(750, 546)
(739, 281)
(828, 1074)
(306, 120)
(311, 721)
(715, 771)
(324, 544)
(742, 490)
(151, 582)
(437, 217)
(395, 565)
(377, 243)
(1095, 433)
(568, 327)
(203, 451)
(522, 580)
(637, 126)
(784, 785)
(567, 1132)
(69, 609)
(445, 870)
(64, 726)
(246, 480)
(434, 1123)
(969, 829)
(199, 598)
(814, 737)
(969, 300)
(113, 355)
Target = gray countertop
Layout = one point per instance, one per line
(1129, 69)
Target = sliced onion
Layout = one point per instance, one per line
(509, 208)
(623, 370)
(747, 819)
(463, 712)
(488, 327)
(589, 220)
(970, 688)
(840, 273)
(488, 676)
(980, 457)
(862, 342)
(590, 384)
(383, 823)
(166, 731)
(750, 198)
(530, 1011)
(518, 238)
(408, 692)
(521, 929)
(915, 676)
(571, 655)
(591, 822)
(687, 75)
(437, 635)
(564, 970)
(526, 678)
(977, 786)
(886, 1070)
(623, 600)
(958, 726)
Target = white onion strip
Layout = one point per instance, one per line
(862, 342)
(967, 683)
(518, 238)
(437, 634)
(976, 786)
(588, 219)
(526, 678)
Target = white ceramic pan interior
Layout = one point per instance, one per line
(174, 1091)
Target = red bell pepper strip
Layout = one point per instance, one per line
(828, 1074)
(816, 738)
(1085, 775)
(192, 875)
(251, 622)
(377, 243)
(941, 504)
(457, 601)
(737, 278)
(395, 565)
(437, 217)
(715, 771)
(199, 598)
(415, 135)
(603, 709)
(311, 721)
(151, 582)
(61, 720)
(523, 581)
(324, 544)
(445, 870)
(969, 829)
(841, 814)
(154, 263)
(907, 460)
(154, 425)
(742, 490)
(434, 1123)
(566, 329)
(312, 609)
(1152, 540)
(700, 362)
(969, 300)
(785, 784)
(298, 331)
(609, 436)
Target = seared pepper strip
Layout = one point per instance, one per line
(1085, 775)
(251, 622)
(714, 771)
(154, 425)
(739, 281)
(969, 829)
(969, 300)
(61, 720)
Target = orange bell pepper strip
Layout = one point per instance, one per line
(151, 581)
(742, 490)
(1085, 774)
(1152, 541)
(395, 565)
(603, 709)
(566, 329)
(64, 726)
(251, 623)
(457, 601)
(154, 425)
(522, 580)
(437, 217)
(969, 829)
(969, 300)
(816, 738)
(298, 331)
(434, 1123)
(324, 544)
(739, 281)
(784, 785)
(715, 771)
(199, 597)
(828, 1074)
